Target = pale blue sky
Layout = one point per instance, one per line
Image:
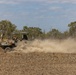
(46, 14)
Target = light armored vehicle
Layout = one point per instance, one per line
(9, 43)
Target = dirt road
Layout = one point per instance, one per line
(37, 63)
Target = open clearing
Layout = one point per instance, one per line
(37, 64)
(32, 61)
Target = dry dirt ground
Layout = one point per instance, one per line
(40, 57)
(37, 63)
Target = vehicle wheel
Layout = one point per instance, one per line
(7, 49)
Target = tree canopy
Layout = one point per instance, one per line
(72, 28)
(7, 27)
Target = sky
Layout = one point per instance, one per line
(45, 14)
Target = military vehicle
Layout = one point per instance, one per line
(8, 44)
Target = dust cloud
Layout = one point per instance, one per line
(53, 46)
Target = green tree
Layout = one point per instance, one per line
(72, 29)
(66, 34)
(33, 32)
(54, 33)
(7, 27)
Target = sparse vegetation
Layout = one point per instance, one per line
(51, 56)
(37, 33)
